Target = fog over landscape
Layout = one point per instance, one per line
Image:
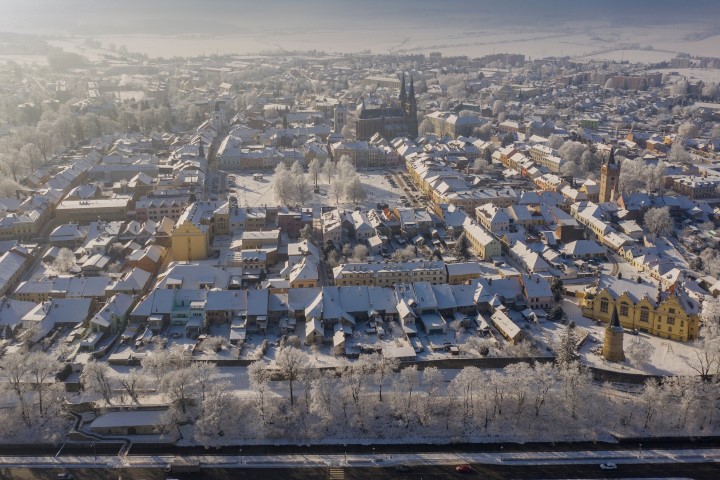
(611, 29)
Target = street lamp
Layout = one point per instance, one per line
(640, 451)
(502, 448)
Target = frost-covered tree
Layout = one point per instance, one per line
(360, 253)
(64, 261)
(162, 361)
(678, 153)
(658, 221)
(345, 167)
(15, 373)
(181, 388)
(314, 170)
(572, 151)
(498, 107)
(705, 358)
(260, 383)
(291, 362)
(97, 378)
(221, 415)
(336, 189)
(481, 165)
(329, 170)
(383, 368)
(425, 127)
(409, 382)
(42, 370)
(555, 141)
(354, 190)
(566, 352)
(461, 249)
(283, 184)
(688, 130)
(132, 384)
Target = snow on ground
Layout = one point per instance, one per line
(256, 193)
(579, 40)
(704, 74)
(24, 59)
(669, 357)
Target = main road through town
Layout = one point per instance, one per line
(698, 471)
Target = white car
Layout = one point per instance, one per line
(608, 466)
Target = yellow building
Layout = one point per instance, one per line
(486, 246)
(190, 239)
(671, 314)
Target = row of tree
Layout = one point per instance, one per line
(293, 186)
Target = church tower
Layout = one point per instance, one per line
(340, 117)
(609, 179)
(403, 95)
(613, 344)
(411, 110)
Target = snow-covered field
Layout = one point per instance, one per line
(24, 59)
(597, 41)
(706, 75)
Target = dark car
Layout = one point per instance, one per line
(463, 468)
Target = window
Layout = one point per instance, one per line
(671, 320)
(644, 314)
(671, 311)
(624, 309)
(603, 306)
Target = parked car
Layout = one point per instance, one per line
(402, 468)
(463, 468)
(608, 466)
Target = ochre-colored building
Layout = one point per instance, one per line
(670, 314)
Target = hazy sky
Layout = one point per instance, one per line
(97, 17)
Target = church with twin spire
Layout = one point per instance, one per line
(396, 120)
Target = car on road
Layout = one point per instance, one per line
(402, 468)
(608, 466)
(463, 468)
(65, 476)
